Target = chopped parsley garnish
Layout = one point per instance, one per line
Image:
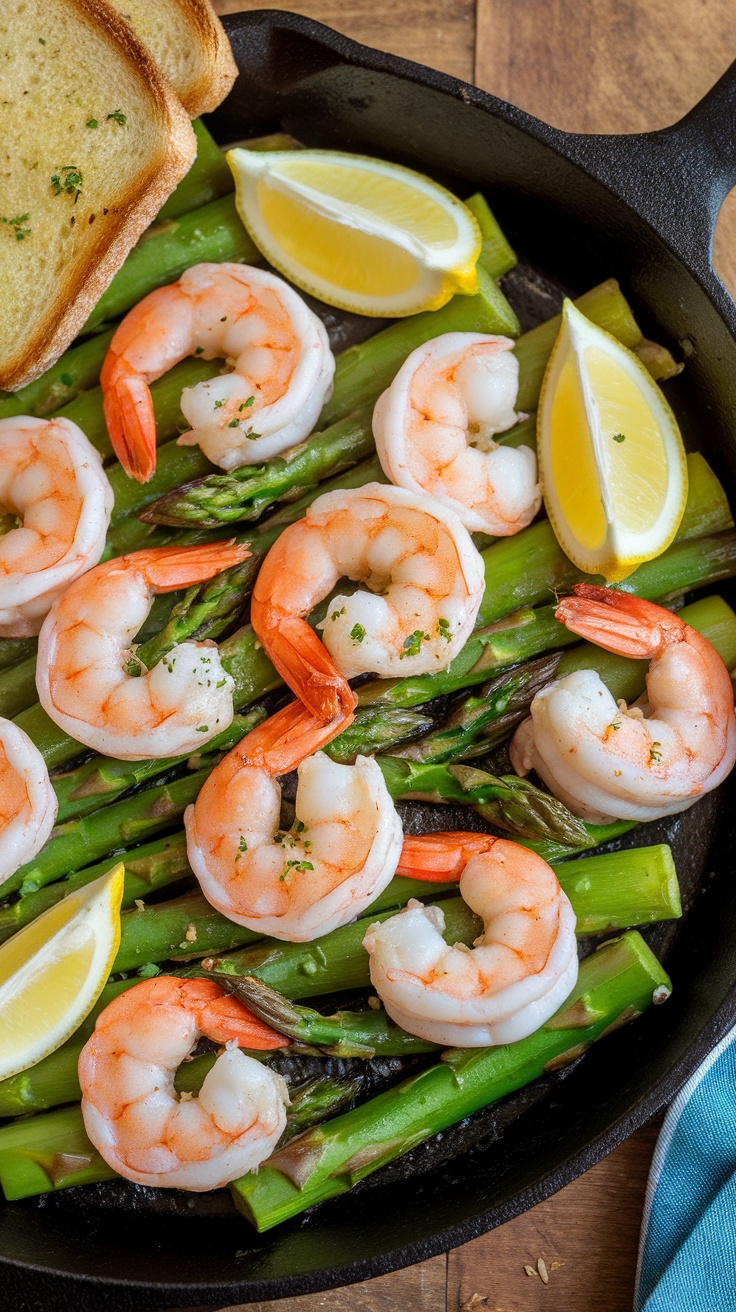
(619, 437)
(654, 754)
(357, 633)
(245, 404)
(337, 613)
(413, 644)
(252, 437)
(119, 117)
(233, 423)
(299, 867)
(17, 225)
(41, 41)
(198, 350)
(443, 629)
(219, 405)
(92, 123)
(133, 667)
(203, 728)
(68, 179)
(242, 847)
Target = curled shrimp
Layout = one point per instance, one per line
(89, 681)
(282, 374)
(426, 583)
(52, 481)
(521, 968)
(299, 883)
(604, 759)
(139, 1124)
(434, 429)
(28, 803)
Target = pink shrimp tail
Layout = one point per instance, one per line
(168, 568)
(442, 857)
(302, 661)
(223, 1018)
(283, 741)
(128, 408)
(618, 622)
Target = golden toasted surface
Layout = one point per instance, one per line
(92, 141)
(188, 42)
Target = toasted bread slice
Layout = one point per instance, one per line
(94, 141)
(188, 42)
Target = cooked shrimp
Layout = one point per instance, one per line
(282, 367)
(86, 659)
(426, 583)
(52, 481)
(300, 883)
(434, 429)
(521, 968)
(654, 759)
(132, 1113)
(28, 803)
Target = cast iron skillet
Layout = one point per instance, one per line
(579, 208)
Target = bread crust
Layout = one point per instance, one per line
(86, 281)
(211, 88)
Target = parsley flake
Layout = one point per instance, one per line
(69, 179)
(443, 629)
(413, 644)
(619, 437)
(219, 405)
(119, 117)
(357, 633)
(654, 754)
(19, 232)
(337, 613)
(233, 423)
(92, 123)
(203, 728)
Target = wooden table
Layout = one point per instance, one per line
(596, 66)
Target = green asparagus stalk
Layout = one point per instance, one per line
(480, 721)
(378, 729)
(245, 493)
(102, 779)
(610, 890)
(616, 984)
(18, 687)
(41, 1154)
(13, 650)
(148, 868)
(106, 831)
(208, 179)
(77, 370)
(497, 257)
(346, 1034)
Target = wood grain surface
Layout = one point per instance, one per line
(599, 66)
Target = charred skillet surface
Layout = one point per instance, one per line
(578, 209)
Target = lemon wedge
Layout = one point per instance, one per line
(356, 232)
(611, 458)
(53, 971)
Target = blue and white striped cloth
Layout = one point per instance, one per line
(687, 1255)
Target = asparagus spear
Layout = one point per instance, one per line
(98, 781)
(148, 868)
(616, 984)
(496, 256)
(245, 493)
(75, 371)
(608, 891)
(13, 650)
(18, 687)
(106, 831)
(208, 178)
(40, 1154)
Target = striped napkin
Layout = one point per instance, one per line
(687, 1254)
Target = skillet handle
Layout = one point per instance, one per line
(676, 178)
